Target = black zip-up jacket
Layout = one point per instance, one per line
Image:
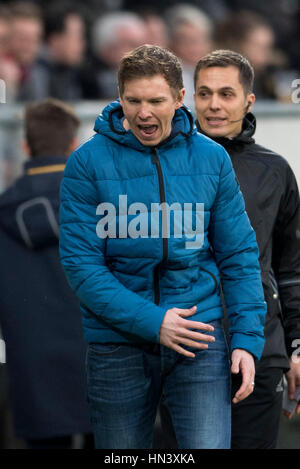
(272, 202)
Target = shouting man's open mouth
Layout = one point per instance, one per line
(147, 130)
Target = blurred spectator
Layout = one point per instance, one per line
(217, 9)
(9, 71)
(190, 38)
(157, 31)
(292, 41)
(113, 35)
(39, 314)
(280, 15)
(24, 42)
(4, 29)
(59, 65)
(251, 35)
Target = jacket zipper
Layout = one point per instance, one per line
(162, 196)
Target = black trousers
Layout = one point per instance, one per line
(255, 420)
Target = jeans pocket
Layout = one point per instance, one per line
(103, 349)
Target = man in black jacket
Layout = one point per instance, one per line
(223, 100)
(39, 314)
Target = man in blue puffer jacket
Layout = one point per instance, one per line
(151, 218)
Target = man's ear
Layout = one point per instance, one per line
(250, 101)
(180, 98)
(26, 149)
(73, 145)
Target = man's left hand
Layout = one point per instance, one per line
(293, 380)
(242, 361)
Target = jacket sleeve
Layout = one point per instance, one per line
(83, 259)
(286, 259)
(234, 244)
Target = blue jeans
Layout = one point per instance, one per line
(126, 382)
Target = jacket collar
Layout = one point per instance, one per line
(45, 164)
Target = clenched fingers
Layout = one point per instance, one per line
(243, 362)
(245, 390)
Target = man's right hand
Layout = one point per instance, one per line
(175, 330)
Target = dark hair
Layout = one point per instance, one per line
(147, 61)
(227, 58)
(235, 29)
(56, 15)
(5, 14)
(25, 10)
(50, 127)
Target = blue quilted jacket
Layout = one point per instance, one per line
(146, 229)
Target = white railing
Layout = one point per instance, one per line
(278, 128)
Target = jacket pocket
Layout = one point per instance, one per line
(271, 296)
(103, 349)
(217, 289)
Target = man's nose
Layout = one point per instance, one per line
(144, 112)
(214, 103)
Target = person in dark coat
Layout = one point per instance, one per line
(223, 101)
(59, 66)
(39, 314)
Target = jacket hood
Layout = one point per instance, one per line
(29, 209)
(244, 138)
(110, 124)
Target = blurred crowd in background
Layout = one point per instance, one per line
(71, 50)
